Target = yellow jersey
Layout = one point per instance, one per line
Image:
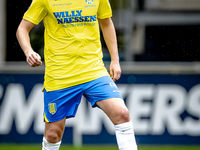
(73, 53)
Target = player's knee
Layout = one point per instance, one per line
(52, 137)
(125, 117)
(121, 116)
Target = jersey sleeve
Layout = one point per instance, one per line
(104, 10)
(36, 12)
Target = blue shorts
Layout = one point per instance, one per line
(64, 103)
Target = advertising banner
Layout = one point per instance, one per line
(164, 109)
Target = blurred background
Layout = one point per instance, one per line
(159, 50)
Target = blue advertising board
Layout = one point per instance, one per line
(164, 109)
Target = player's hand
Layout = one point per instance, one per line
(115, 70)
(33, 59)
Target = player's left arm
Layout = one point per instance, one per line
(110, 38)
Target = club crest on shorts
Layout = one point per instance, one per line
(52, 108)
(89, 1)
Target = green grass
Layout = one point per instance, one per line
(66, 147)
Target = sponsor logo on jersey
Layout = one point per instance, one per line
(74, 16)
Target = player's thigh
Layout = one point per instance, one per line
(115, 109)
(54, 129)
(101, 89)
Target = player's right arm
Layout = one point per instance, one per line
(32, 58)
